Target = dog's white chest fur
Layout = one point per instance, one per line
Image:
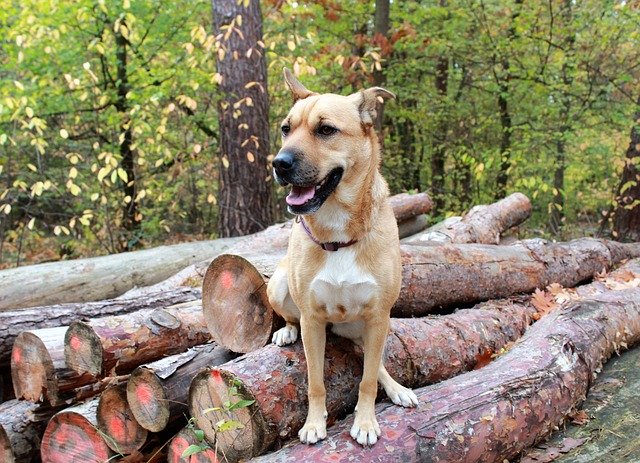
(343, 287)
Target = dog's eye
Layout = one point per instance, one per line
(326, 130)
(285, 130)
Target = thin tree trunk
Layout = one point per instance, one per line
(244, 190)
(626, 222)
(439, 151)
(381, 32)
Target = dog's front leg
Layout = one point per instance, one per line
(313, 330)
(365, 427)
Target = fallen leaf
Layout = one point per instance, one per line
(543, 302)
(483, 359)
(580, 417)
(569, 443)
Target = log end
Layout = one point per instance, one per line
(182, 441)
(32, 369)
(115, 419)
(71, 437)
(210, 390)
(235, 304)
(148, 400)
(83, 349)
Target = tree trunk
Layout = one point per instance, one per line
(381, 39)
(115, 419)
(418, 351)
(157, 392)
(121, 343)
(626, 222)
(98, 278)
(494, 413)
(63, 314)
(482, 224)
(439, 151)
(20, 434)
(434, 277)
(72, 435)
(244, 192)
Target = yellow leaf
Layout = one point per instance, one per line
(18, 84)
(7, 209)
(56, 230)
(225, 162)
(291, 45)
(197, 148)
(123, 175)
(250, 156)
(126, 4)
(211, 199)
(73, 172)
(29, 111)
(31, 222)
(95, 196)
(103, 172)
(32, 167)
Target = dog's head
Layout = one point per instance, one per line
(326, 140)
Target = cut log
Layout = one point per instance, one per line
(115, 419)
(434, 276)
(123, 342)
(38, 370)
(181, 441)
(157, 392)
(494, 413)
(418, 351)
(20, 434)
(412, 226)
(98, 278)
(275, 239)
(63, 314)
(407, 205)
(72, 435)
(482, 224)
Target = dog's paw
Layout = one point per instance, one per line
(286, 335)
(365, 431)
(313, 432)
(403, 396)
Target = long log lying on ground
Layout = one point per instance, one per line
(116, 421)
(20, 434)
(17, 321)
(157, 392)
(123, 342)
(275, 240)
(240, 318)
(418, 351)
(72, 435)
(482, 224)
(494, 413)
(98, 278)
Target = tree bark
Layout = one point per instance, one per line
(115, 419)
(381, 39)
(98, 278)
(20, 434)
(406, 206)
(63, 314)
(157, 392)
(434, 277)
(626, 222)
(72, 435)
(121, 343)
(245, 204)
(494, 413)
(418, 351)
(482, 224)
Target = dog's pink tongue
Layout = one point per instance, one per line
(300, 195)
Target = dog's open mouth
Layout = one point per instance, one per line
(308, 199)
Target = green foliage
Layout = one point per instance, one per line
(536, 97)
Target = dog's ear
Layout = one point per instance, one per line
(370, 98)
(299, 91)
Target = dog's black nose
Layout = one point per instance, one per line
(284, 161)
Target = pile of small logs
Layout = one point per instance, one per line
(172, 372)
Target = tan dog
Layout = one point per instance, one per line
(343, 264)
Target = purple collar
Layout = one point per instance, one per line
(332, 246)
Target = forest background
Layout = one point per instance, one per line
(132, 123)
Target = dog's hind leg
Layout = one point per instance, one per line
(283, 305)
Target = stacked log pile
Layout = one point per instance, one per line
(100, 380)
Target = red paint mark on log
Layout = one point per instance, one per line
(17, 355)
(117, 428)
(62, 434)
(75, 343)
(215, 374)
(144, 394)
(179, 444)
(226, 278)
